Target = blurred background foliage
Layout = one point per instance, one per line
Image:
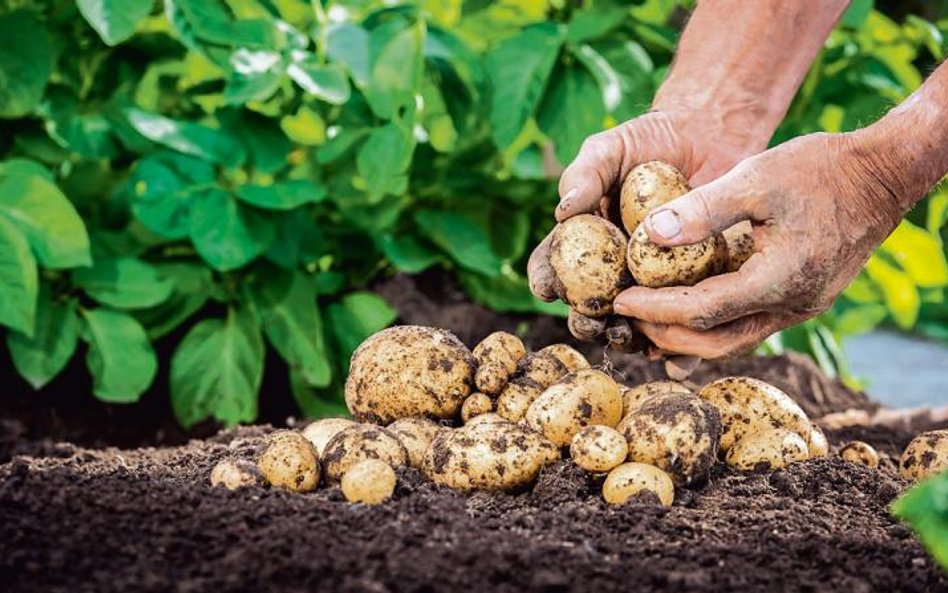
(238, 172)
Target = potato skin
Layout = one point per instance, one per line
(678, 433)
(290, 461)
(925, 456)
(655, 266)
(860, 452)
(319, 432)
(767, 449)
(475, 405)
(369, 482)
(358, 443)
(633, 397)
(571, 358)
(516, 398)
(740, 245)
(488, 456)
(817, 445)
(409, 370)
(416, 435)
(580, 399)
(645, 188)
(631, 478)
(236, 473)
(598, 448)
(497, 356)
(587, 254)
(489, 418)
(535, 373)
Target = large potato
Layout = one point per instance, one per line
(747, 405)
(767, 449)
(632, 478)
(633, 397)
(598, 448)
(646, 187)
(497, 356)
(290, 461)
(571, 358)
(358, 443)
(580, 399)
(925, 456)
(416, 434)
(587, 254)
(656, 266)
(406, 371)
(740, 244)
(678, 433)
(319, 432)
(488, 456)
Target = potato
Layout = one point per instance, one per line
(290, 461)
(535, 373)
(358, 443)
(321, 431)
(767, 449)
(416, 435)
(407, 371)
(489, 418)
(488, 456)
(369, 482)
(598, 448)
(587, 254)
(632, 397)
(655, 266)
(747, 404)
(646, 187)
(580, 399)
(925, 456)
(516, 398)
(740, 245)
(236, 473)
(678, 433)
(497, 356)
(475, 405)
(817, 446)
(572, 359)
(631, 478)
(859, 452)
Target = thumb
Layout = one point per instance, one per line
(590, 176)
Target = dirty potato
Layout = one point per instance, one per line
(817, 445)
(319, 432)
(598, 448)
(655, 266)
(587, 254)
(290, 461)
(475, 405)
(631, 478)
(740, 244)
(535, 373)
(580, 399)
(571, 358)
(767, 449)
(416, 434)
(860, 452)
(925, 456)
(497, 356)
(489, 418)
(632, 397)
(358, 443)
(236, 473)
(515, 399)
(646, 187)
(369, 482)
(678, 433)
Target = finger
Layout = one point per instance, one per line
(590, 176)
(724, 341)
(540, 273)
(679, 368)
(585, 328)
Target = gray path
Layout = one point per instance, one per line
(900, 371)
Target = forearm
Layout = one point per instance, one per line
(740, 63)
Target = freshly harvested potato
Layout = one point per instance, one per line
(646, 187)
(290, 461)
(587, 254)
(497, 356)
(817, 445)
(632, 397)
(535, 373)
(488, 456)
(678, 433)
(747, 405)
(409, 370)
(369, 482)
(656, 266)
(416, 434)
(572, 359)
(475, 405)
(236, 473)
(598, 448)
(319, 432)
(358, 443)
(515, 399)
(489, 418)
(740, 244)
(631, 478)
(860, 452)
(580, 399)
(767, 449)
(925, 456)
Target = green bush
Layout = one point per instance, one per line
(240, 170)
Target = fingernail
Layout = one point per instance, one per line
(567, 198)
(665, 224)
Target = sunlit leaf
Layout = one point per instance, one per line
(120, 357)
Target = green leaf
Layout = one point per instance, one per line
(384, 159)
(860, 319)
(508, 293)
(571, 110)
(919, 253)
(213, 22)
(925, 509)
(124, 283)
(327, 82)
(595, 22)
(396, 67)
(519, 68)
(464, 241)
(114, 20)
(857, 13)
(25, 63)
(165, 186)
(407, 253)
(40, 358)
(317, 403)
(217, 369)
(349, 45)
(24, 167)
(50, 222)
(19, 280)
(187, 137)
(225, 234)
(192, 288)
(120, 357)
(900, 293)
(356, 317)
(282, 195)
(255, 76)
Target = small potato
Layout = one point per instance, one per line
(598, 448)
(860, 452)
(587, 254)
(406, 371)
(580, 399)
(489, 418)
(358, 443)
(321, 431)
(535, 373)
(740, 244)
(646, 187)
(416, 434)
(572, 359)
(655, 266)
(497, 356)
(678, 433)
(542, 368)
(767, 449)
(236, 473)
(369, 482)
(631, 478)
(290, 461)
(515, 399)
(632, 397)
(925, 456)
(817, 446)
(475, 405)
(488, 456)
(747, 405)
